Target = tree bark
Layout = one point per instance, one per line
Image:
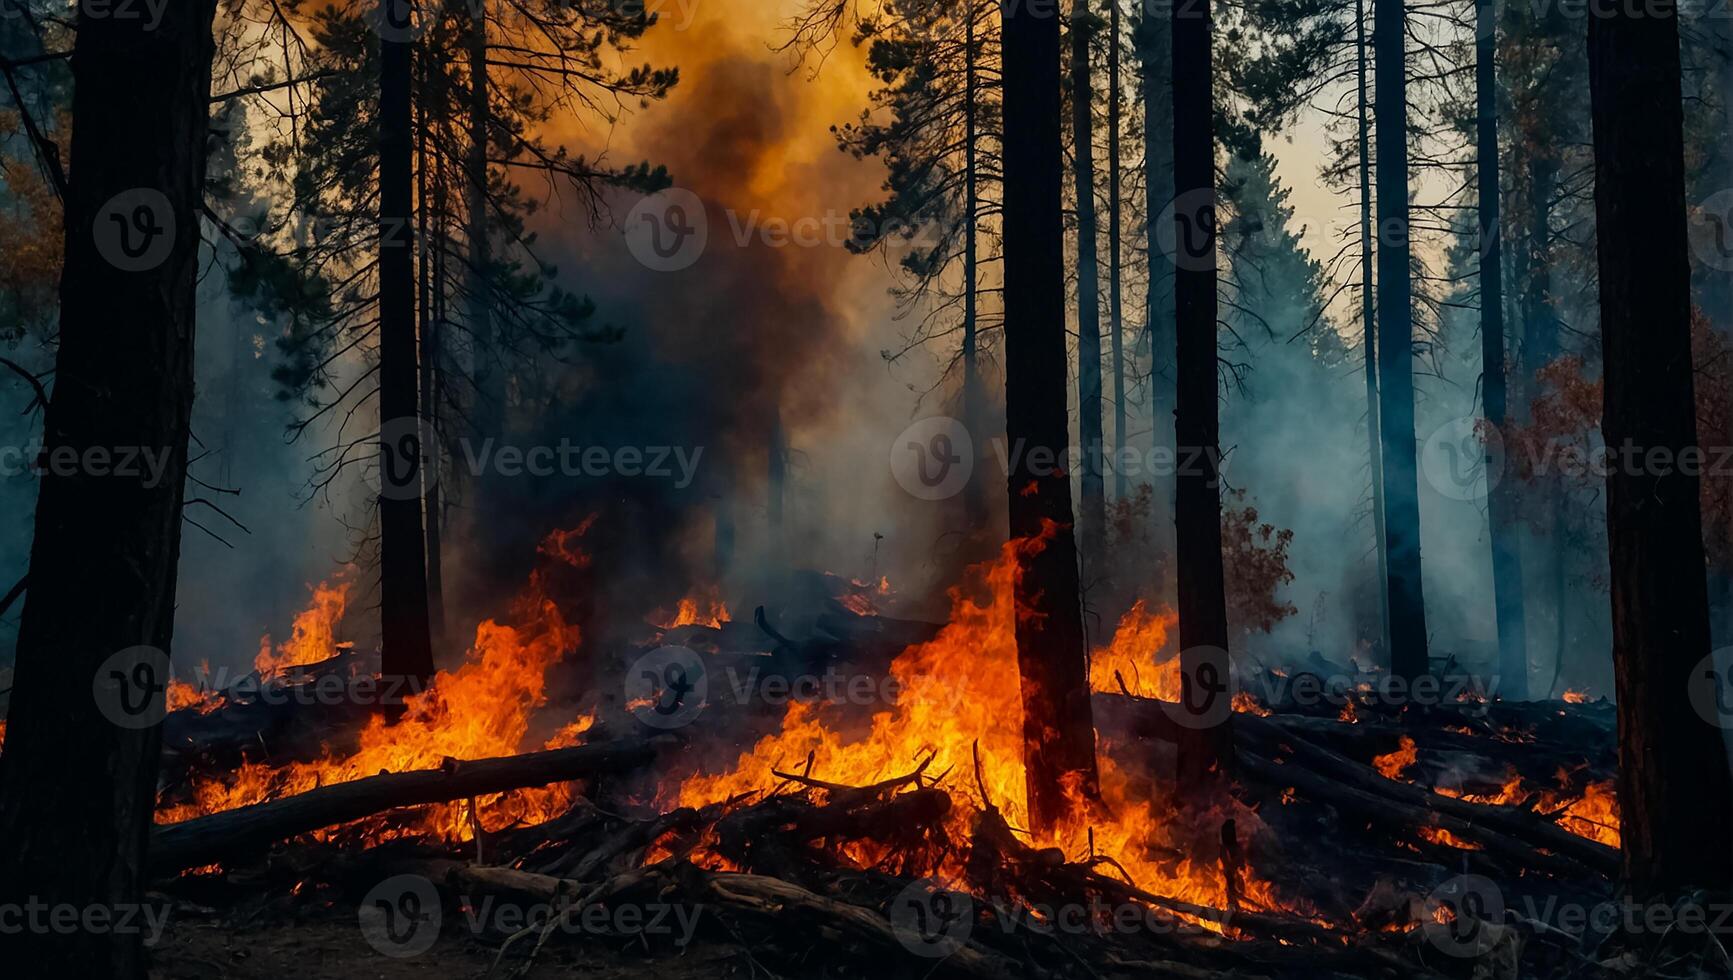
(1501, 502)
(1115, 301)
(1206, 746)
(1058, 730)
(430, 218)
(78, 777)
(975, 513)
(1369, 333)
(1408, 656)
(1675, 796)
(1092, 510)
(1155, 66)
(407, 647)
(489, 381)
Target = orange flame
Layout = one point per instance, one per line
(184, 695)
(959, 690)
(480, 710)
(1139, 653)
(705, 609)
(1393, 765)
(312, 636)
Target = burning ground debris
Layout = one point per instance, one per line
(889, 834)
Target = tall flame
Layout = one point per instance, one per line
(959, 690)
(312, 636)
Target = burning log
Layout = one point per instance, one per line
(1508, 820)
(244, 831)
(1328, 776)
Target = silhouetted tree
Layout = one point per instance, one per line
(1675, 795)
(1205, 747)
(78, 776)
(1058, 729)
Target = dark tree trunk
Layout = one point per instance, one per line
(1501, 504)
(1675, 796)
(1369, 333)
(407, 647)
(1058, 730)
(1206, 747)
(1155, 67)
(1540, 348)
(975, 513)
(430, 217)
(1092, 509)
(1408, 639)
(1115, 301)
(78, 777)
(490, 373)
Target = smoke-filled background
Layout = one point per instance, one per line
(762, 350)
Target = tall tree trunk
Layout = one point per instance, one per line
(1721, 578)
(489, 372)
(1675, 795)
(975, 513)
(1116, 304)
(407, 647)
(429, 212)
(1092, 512)
(1058, 727)
(78, 777)
(1369, 333)
(1206, 746)
(1540, 348)
(1408, 657)
(1155, 67)
(1501, 503)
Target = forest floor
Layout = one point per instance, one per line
(335, 948)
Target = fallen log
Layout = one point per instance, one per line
(1511, 831)
(1514, 821)
(247, 830)
(1404, 817)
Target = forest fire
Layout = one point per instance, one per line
(705, 609)
(1287, 586)
(955, 706)
(482, 709)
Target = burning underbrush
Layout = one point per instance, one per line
(1333, 850)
